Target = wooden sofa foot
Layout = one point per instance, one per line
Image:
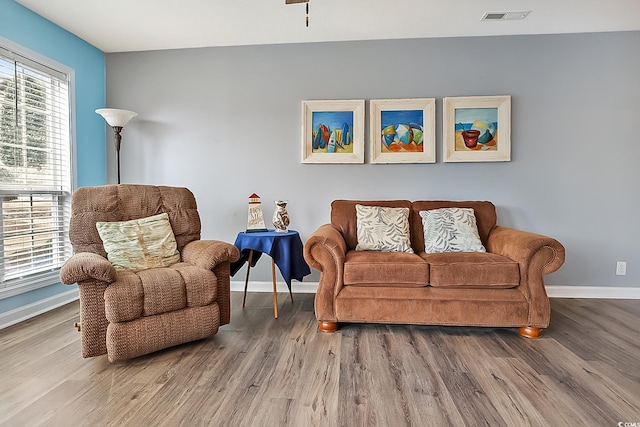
(77, 326)
(327, 326)
(530, 332)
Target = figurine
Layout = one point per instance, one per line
(281, 217)
(255, 222)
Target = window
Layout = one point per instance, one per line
(35, 172)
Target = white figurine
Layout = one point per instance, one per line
(281, 216)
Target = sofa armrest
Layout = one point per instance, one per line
(523, 247)
(536, 255)
(325, 250)
(209, 253)
(85, 266)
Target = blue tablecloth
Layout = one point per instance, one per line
(284, 248)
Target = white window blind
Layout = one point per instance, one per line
(35, 173)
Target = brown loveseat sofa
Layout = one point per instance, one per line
(502, 287)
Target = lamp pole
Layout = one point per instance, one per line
(117, 139)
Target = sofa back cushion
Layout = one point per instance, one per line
(343, 216)
(383, 229)
(485, 213)
(108, 203)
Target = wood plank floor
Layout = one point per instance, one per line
(261, 371)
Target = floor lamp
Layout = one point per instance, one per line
(117, 119)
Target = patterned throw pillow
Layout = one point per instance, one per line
(383, 229)
(450, 230)
(139, 244)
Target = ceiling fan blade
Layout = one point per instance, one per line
(295, 1)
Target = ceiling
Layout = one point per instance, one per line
(137, 25)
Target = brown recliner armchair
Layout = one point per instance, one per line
(127, 313)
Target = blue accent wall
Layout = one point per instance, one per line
(28, 29)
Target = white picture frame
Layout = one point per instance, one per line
(402, 130)
(333, 131)
(488, 117)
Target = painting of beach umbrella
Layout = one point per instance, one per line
(388, 135)
(402, 130)
(404, 134)
(418, 133)
(487, 131)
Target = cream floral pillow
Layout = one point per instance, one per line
(139, 244)
(450, 230)
(382, 229)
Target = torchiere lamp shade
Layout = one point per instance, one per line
(116, 117)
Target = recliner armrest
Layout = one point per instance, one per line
(209, 253)
(85, 266)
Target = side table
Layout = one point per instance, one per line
(285, 250)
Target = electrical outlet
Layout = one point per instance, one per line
(621, 268)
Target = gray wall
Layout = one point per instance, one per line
(225, 122)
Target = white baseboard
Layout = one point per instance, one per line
(603, 292)
(28, 311)
(554, 291)
(257, 286)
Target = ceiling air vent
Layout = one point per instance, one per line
(505, 16)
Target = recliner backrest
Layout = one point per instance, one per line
(130, 201)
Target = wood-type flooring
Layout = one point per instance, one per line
(261, 371)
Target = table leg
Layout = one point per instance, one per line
(246, 280)
(275, 293)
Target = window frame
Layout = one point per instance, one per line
(30, 282)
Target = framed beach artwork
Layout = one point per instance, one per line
(402, 130)
(333, 131)
(477, 129)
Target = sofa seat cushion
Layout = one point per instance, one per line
(471, 270)
(158, 290)
(395, 269)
